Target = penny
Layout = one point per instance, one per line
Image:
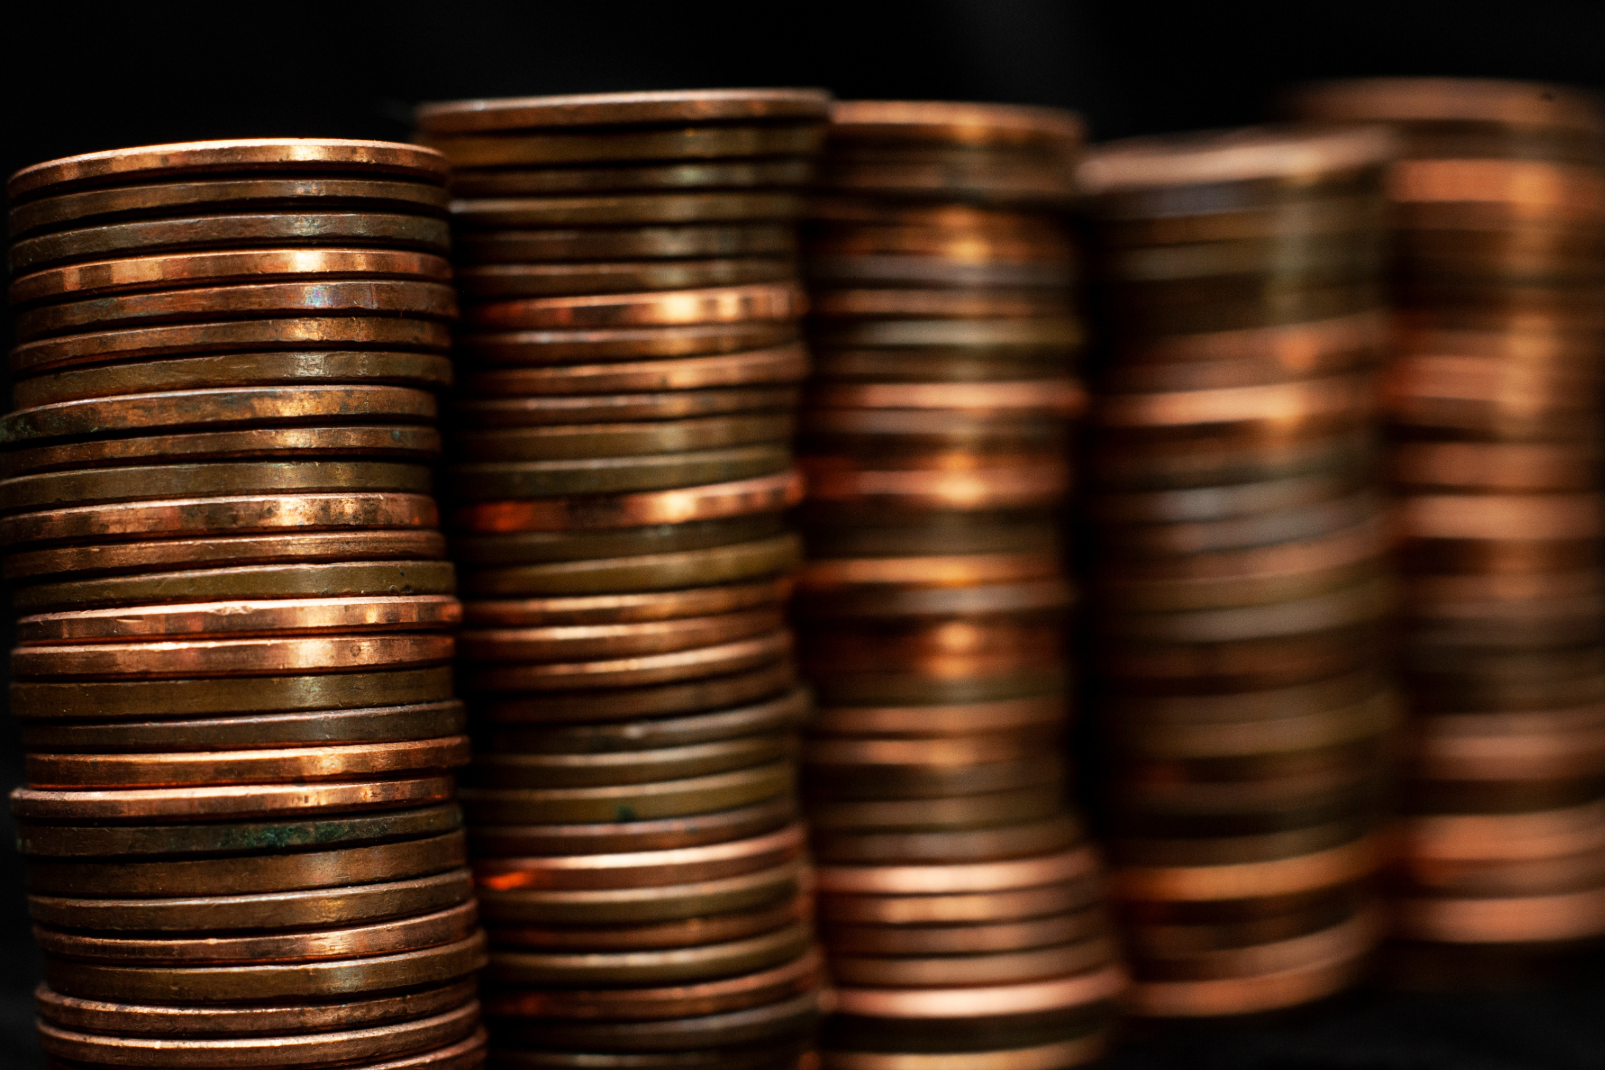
(161, 272)
(937, 813)
(195, 409)
(204, 657)
(1504, 920)
(640, 906)
(615, 475)
(677, 107)
(664, 834)
(424, 720)
(912, 688)
(823, 577)
(957, 878)
(1368, 600)
(592, 147)
(493, 281)
(249, 335)
(1334, 866)
(420, 444)
(386, 937)
(378, 973)
(671, 934)
(883, 302)
(972, 124)
(218, 802)
(1289, 734)
(628, 802)
(638, 607)
(1304, 983)
(381, 613)
(897, 757)
(256, 766)
(95, 841)
(280, 872)
(623, 439)
(762, 494)
(659, 700)
(272, 911)
(1049, 1056)
(939, 720)
(573, 642)
(696, 174)
(1297, 524)
(729, 304)
(536, 547)
(784, 1056)
(243, 582)
(1503, 837)
(1091, 987)
(127, 1020)
(1449, 100)
(966, 939)
(1008, 967)
(678, 1001)
(1062, 397)
(1016, 486)
(873, 600)
(791, 1018)
(143, 699)
(1140, 849)
(961, 845)
(854, 268)
(404, 1038)
(620, 209)
(636, 671)
(685, 865)
(659, 246)
(635, 767)
(521, 396)
(271, 230)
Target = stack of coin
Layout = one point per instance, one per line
(1237, 558)
(233, 671)
(621, 465)
(1493, 398)
(960, 903)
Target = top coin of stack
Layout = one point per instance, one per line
(1238, 557)
(1493, 396)
(233, 664)
(960, 902)
(620, 469)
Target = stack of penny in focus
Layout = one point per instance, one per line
(233, 665)
(1238, 552)
(1493, 397)
(960, 903)
(621, 465)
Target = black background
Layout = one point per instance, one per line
(84, 77)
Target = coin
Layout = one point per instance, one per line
(672, 798)
(761, 301)
(1091, 987)
(685, 865)
(492, 281)
(716, 174)
(384, 613)
(626, 209)
(254, 766)
(629, 836)
(611, 440)
(161, 805)
(1038, 1057)
(659, 246)
(535, 547)
(203, 657)
(763, 494)
(639, 607)
(606, 109)
(591, 147)
(657, 700)
(615, 475)
(639, 906)
(584, 770)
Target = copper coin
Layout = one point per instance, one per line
(1289, 155)
(1510, 746)
(1016, 486)
(1191, 464)
(663, 834)
(537, 547)
(678, 1001)
(1503, 920)
(382, 1042)
(1369, 600)
(352, 579)
(609, 408)
(415, 443)
(761, 301)
(1050, 1056)
(162, 805)
(790, 1019)
(272, 911)
(1257, 847)
(890, 303)
(209, 657)
(424, 720)
(658, 700)
(783, 1056)
(500, 281)
(1498, 466)
(685, 865)
(143, 699)
(250, 335)
(761, 494)
(1260, 736)
(628, 209)
(1219, 503)
(659, 246)
(184, 768)
(190, 984)
(958, 878)
(635, 767)
(622, 439)
(640, 906)
(891, 602)
(643, 607)
(999, 176)
(938, 814)
(271, 230)
(1246, 880)
(283, 872)
(781, 364)
(163, 272)
(674, 108)
(556, 347)
(1409, 100)
(710, 174)
(1304, 983)
(1005, 967)
(910, 688)
(385, 937)
(585, 146)
(959, 845)
(573, 642)
(637, 671)
(615, 475)
(1298, 524)
(969, 124)
(1060, 994)
(628, 802)
(1459, 838)
(941, 720)
(853, 268)
(718, 928)
(266, 616)
(211, 408)
(969, 908)
(1062, 397)
(170, 1020)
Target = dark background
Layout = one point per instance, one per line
(85, 77)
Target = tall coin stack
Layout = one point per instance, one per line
(1493, 396)
(1237, 559)
(621, 466)
(233, 673)
(960, 903)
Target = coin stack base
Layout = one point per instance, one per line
(1238, 561)
(620, 466)
(239, 826)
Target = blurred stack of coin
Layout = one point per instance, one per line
(1238, 558)
(960, 903)
(233, 662)
(621, 465)
(1493, 398)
